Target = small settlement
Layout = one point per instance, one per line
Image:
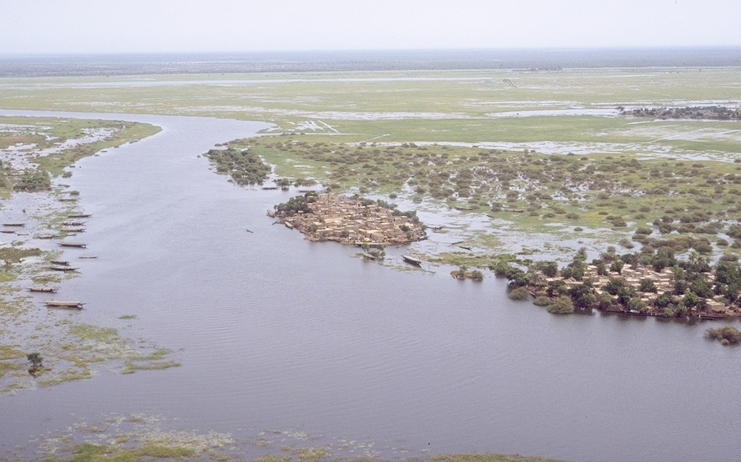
(334, 217)
(663, 282)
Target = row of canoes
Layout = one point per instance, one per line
(72, 225)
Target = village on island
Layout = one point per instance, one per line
(637, 289)
(348, 220)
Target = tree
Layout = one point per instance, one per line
(549, 268)
(582, 295)
(561, 305)
(520, 293)
(35, 359)
(647, 285)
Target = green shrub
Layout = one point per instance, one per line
(519, 293)
(727, 334)
(542, 300)
(561, 305)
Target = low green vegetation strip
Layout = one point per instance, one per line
(32, 136)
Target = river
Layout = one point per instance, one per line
(284, 334)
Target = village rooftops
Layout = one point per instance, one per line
(347, 220)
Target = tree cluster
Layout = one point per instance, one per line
(244, 166)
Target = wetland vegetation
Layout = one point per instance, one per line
(34, 151)
(124, 438)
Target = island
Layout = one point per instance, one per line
(349, 220)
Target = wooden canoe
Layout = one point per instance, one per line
(63, 268)
(64, 304)
(79, 215)
(411, 260)
(73, 244)
(48, 290)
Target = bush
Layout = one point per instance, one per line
(561, 305)
(647, 285)
(605, 301)
(549, 268)
(519, 293)
(33, 181)
(542, 301)
(726, 335)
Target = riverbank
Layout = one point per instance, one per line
(36, 217)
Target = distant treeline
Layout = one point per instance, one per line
(695, 112)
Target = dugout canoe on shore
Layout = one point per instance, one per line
(47, 290)
(64, 304)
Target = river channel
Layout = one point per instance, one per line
(278, 333)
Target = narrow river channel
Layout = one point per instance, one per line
(278, 333)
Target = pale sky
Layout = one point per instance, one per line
(125, 26)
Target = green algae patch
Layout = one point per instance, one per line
(88, 452)
(490, 458)
(95, 334)
(16, 254)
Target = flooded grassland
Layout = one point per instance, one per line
(37, 155)
(483, 153)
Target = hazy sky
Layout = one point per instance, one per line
(99, 26)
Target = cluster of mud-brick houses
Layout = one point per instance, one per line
(663, 282)
(335, 217)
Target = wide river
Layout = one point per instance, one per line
(283, 334)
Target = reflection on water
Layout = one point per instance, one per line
(280, 333)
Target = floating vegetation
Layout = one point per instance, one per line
(143, 437)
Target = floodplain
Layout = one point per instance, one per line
(516, 165)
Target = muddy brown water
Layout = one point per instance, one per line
(280, 333)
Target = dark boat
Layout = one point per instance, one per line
(63, 268)
(79, 215)
(73, 244)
